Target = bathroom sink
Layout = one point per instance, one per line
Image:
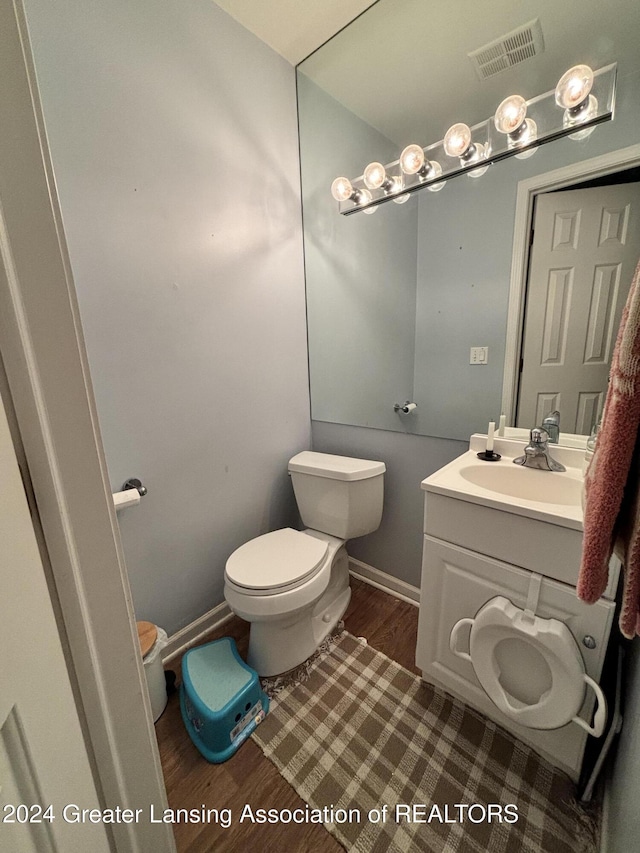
(524, 483)
(516, 515)
(549, 496)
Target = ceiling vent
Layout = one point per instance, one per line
(508, 50)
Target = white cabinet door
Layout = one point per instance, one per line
(43, 760)
(456, 583)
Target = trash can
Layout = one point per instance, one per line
(152, 641)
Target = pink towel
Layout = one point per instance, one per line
(612, 508)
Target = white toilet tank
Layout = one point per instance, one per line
(338, 495)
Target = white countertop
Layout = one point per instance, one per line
(549, 496)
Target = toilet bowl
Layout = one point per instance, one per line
(293, 586)
(290, 618)
(530, 667)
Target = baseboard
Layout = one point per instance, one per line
(387, 583)
(194, 632)
(190, 635)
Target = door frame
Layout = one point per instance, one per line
(42, 347)
(584, 170)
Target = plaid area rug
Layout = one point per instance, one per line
(397, 765)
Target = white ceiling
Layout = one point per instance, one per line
(294, 28)
(403, 68)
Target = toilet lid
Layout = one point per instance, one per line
(282, 559)
(503, 637)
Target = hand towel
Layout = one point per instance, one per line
(612, 503)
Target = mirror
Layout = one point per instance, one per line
(397, 299)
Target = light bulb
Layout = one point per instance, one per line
(574, 87)
(457, 143)
(573, 93)
(510, 118)
(374, 176)
(435, 172)
(413, 162)
(478, 173)
(364, 197)
(457, 140)
(477, 152)
(527, 135)
(402, 198)
(474, 154)
(585, 111)
(412, 159)
(510, 114)
(341, 189)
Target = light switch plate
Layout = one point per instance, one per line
(479, 355)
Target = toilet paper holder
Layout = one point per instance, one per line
(132, 491)
(404, 408)
(134, 483)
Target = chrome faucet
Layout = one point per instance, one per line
(536, 453)
(552, 425)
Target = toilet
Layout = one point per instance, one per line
(530, 667)
(293, 586)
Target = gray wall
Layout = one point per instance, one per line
(465, 237)
(462, 292)
(396, 547)
(624, 818)
(363, 301)
(465, 241)
(174, 141)
(360, 273)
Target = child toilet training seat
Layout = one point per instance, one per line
(499, 620)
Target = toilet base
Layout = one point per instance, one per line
(278, 645)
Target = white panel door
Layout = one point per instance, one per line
(43, 760)
(585, 249)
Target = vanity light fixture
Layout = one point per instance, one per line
(586, 97)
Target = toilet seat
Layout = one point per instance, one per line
(275, 562)
(499, 620)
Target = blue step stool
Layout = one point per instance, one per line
(220, 698)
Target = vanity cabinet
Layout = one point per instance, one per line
(458, 579)
(550, 550)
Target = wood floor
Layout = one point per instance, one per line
(248, 777)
